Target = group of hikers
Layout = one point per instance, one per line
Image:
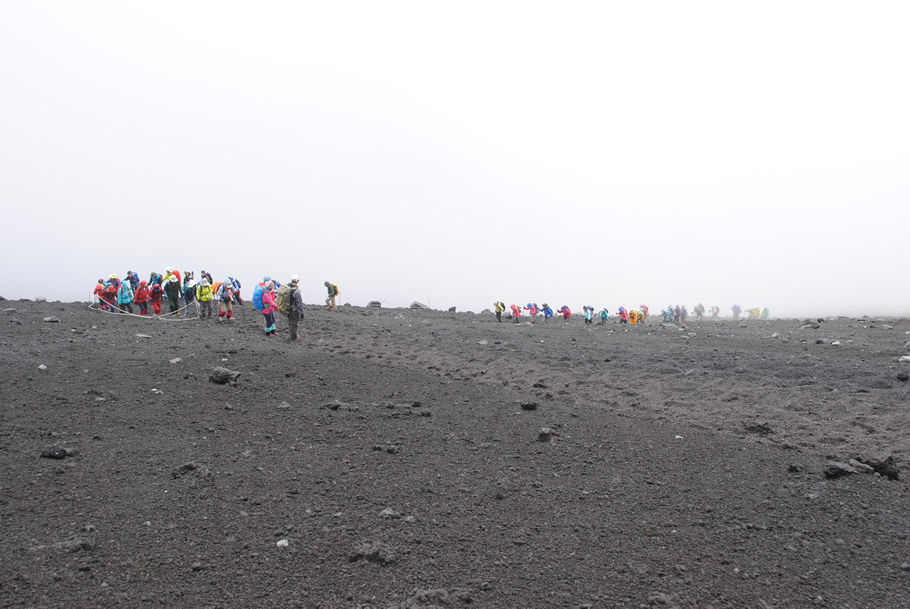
(673, 313)
(187, 297)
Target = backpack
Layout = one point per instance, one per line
(283, 302)
(335, 287)
(156, 291)
(257, 297)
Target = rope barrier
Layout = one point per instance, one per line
(163, 317)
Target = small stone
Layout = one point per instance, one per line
(836, 469)
(389, 513)
(904, 359)
(56, 452)
(221, 376)
(546, 434)
(143, 336)
(51, 319)
(282, 543)
(176, 360)
(903, 376)
(835, 343)
(42, 367)
(483, 343)
(284, 406)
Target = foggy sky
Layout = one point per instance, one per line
(457, 154)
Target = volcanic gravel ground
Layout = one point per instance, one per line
(416, 459)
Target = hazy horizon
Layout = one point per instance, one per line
(594, 153)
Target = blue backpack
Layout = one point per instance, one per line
(257, 297)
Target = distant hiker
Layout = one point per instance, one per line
(133, 278)
(499, 308)
(765, 313)
(235, 290)
(633, 317)
(269, 307)
(208, 276)
(683, 313)
(172, 291)
(604, 315)
(715, 311)
(125, 297)
(190, 305)
(623, 315)
(736, 311)
(565, 311)
(667, 314)
(516, 313)
(225, 294)
(154, 278)
(699, 311)
(142, 298)
(155, 296)
(642, 313)
(532, 311)
(588, 312)
(168, 273)
(547, 311)
(98, 293)
(676, 313)
(204, 297)
(290, 303)
(332, 289)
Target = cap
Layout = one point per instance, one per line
(295, 278)
(266, 279)
(173, 278)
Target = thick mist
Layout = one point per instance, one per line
(603, 155)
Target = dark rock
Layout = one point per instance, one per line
(374, 304)
(222, 376)
(793, 468)
(418, 305)
(451, 309)
(762, 429)
(546, 434)
(836, 469)
(56, 452)
(192, 466)
(903, 376)
(529, 405)
(882, 463)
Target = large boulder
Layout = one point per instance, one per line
(418, 305)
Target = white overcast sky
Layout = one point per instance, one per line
(600, 153)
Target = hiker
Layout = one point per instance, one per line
(676, 314)
(168, 273)
(715, 311)
(499, 308)
(565, 311)
(683, 313)
(204, 297)
(633, 317)
(532, 311)
(208, 276)
(109, 294)
(623, 315)
(171, 289)
(736, 311)
(765, 313)
(516, 313)
(235, 289)
(699, 312)
(269, 307)
(604, 315)
(125, 297)
(142, 298)
(133, 278)
(588, 312)
(332, 289)
(189, 298)
(290, 302)
(225, 294)
(98, 293)
(155, 295)
(547, 311)
(642, 313)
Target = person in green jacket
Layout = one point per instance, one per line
(332, 289)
